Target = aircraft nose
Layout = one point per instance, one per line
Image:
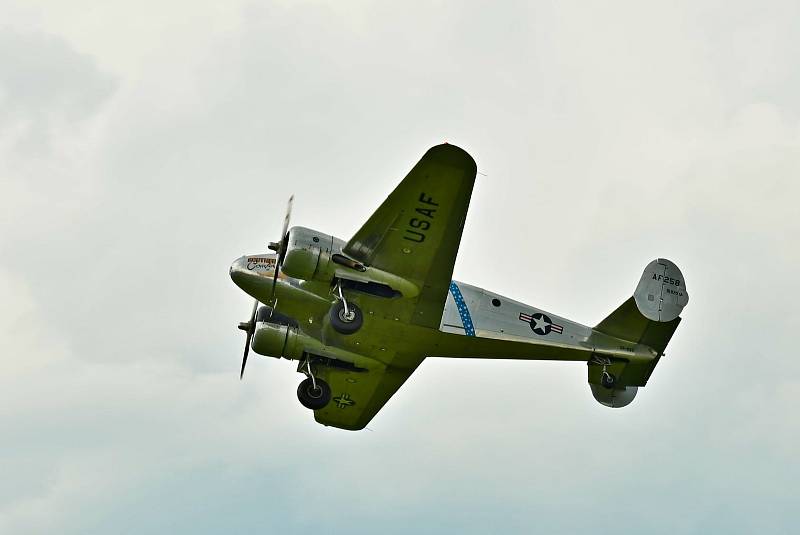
(253, 273)
(238, 270)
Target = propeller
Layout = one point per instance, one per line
(281, 246)
(250, 328)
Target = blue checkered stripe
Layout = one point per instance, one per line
(463, 311)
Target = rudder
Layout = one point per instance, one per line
(651, 316)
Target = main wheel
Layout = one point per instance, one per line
(313, 398)
(608, 380)
(346, 323)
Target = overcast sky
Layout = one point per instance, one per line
(146, 145)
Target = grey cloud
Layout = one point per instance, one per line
(45, 83)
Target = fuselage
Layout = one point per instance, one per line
(475, 323)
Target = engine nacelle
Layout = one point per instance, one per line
(308, 255)
(274, 340)
(312, 255)
(612, 397)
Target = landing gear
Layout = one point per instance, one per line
(608, 380)
(314, 394)
(346, 318)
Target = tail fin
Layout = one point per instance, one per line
(651, 316)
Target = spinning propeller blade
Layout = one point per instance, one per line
(249, 328)
(281, 246)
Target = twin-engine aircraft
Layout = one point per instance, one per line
(360, 315)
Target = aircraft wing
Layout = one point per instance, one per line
(416, 232)
(357, 396)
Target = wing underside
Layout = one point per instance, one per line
(357, 396)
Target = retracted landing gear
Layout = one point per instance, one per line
(346, 318)
(313, 393)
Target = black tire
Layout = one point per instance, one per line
(312, 398)
(343, 324)
(608, 380)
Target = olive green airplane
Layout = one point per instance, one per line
(359, 316)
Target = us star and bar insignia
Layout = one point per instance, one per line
(540, 323)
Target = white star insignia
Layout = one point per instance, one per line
(541, 323)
